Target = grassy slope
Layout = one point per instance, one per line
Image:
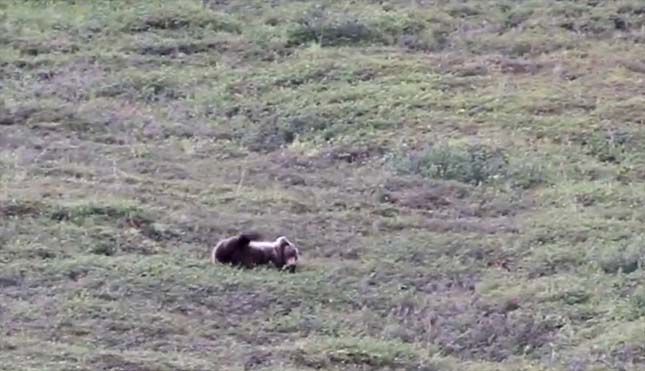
(465, 181)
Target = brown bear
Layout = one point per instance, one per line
(246, 250)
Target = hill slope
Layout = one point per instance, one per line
(464, 179)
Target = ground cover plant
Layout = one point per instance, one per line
(464, 180)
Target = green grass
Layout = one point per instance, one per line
(463, 179)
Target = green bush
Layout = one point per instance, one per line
(621, 258)
(336, 30)
(276, 132)
(638, 301)
(608, 147)
(179, 18)
(472, 165)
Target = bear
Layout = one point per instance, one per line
(248, 251)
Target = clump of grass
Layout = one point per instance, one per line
(500, 336)
(344, 32)
(178, 18)
(638, 301)
(151, 87)
(278, 132)
(32, 111)
(621, 258)
(327, 29)
(20, 208)
(608, 147)
(463, 10)
(513, 18)
(81, 212)
(107, 248)
(330, 352)
(517, 44)
(470, 164)
(526, 174)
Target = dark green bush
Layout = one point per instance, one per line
(273, 133)
(470, 164)
(621, 259)
(638, 301)
(336, 30)
(179, 19)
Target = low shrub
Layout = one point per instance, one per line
(329, 29)
(471, 164)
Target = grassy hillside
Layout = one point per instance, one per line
(464, 179)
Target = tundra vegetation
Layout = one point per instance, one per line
(464, 180)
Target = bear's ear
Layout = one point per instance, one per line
(283, 241)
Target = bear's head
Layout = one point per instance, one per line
(287, 253)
